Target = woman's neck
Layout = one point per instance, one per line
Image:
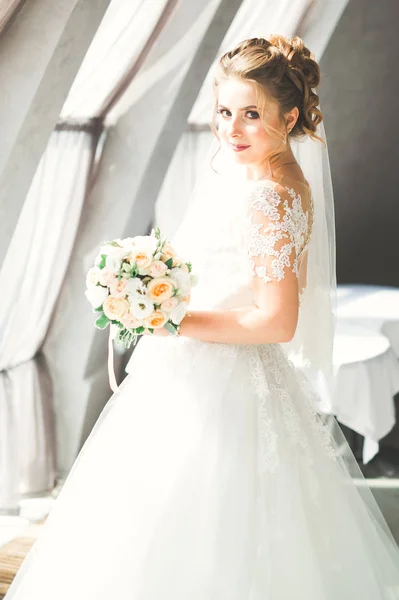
(268, 170)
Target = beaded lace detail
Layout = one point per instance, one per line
(279, 231)
(278, 384)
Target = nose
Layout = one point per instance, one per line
(234, 127)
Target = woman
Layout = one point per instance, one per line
(210, 474)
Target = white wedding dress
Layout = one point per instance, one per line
(210, 474)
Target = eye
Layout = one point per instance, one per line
(220, 111)
(253, 112)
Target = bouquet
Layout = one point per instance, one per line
(139, 284)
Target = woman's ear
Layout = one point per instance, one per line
(291, 117)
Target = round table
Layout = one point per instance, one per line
(366, 353)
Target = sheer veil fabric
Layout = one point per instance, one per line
(210, 474)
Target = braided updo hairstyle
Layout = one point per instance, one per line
(281, 69)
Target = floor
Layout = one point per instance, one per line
(32, 510)
(386, 492)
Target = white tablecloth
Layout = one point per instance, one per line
(366, 354)
(375, 307)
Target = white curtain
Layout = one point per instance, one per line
(8, 8)
(38, 255)
(30, 279)
(40, 53)
(180, 179)
(118, 203)
(35, 78)
(26, 49)
(313, 20)
(116, 47)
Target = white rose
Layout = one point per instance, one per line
(182, 280)
(141, 307)
(96, 295)
(114, 260)
(178, 313)
(106, 249)
(93, 276)
(127, 242)
(146, 242)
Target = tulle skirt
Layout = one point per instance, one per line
(210, 475)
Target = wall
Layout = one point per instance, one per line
(359, 97)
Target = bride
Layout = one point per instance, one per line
(210, 474)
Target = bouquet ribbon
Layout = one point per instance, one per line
(111, 369)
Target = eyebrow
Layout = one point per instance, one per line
(244, 108)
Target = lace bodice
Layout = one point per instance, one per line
(255, 229)
(280, 230)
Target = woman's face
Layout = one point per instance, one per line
(240, 126)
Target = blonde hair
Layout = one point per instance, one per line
(281, 69)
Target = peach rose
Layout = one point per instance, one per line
(160, 289)
(118, 288)
(106, 276)
(157, 269)
(130, 322)
(168, 252)
(156, 320)
(143, 259)
(115, 308)
(169, 304)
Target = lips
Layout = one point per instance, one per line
(239, 147)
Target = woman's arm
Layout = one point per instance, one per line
(271, 320)
(273, 317)
(247, 325)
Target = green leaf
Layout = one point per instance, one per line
(151, 329)
(99, 309)
(169, 263)
(112, 243)
(102, 322)
(139, 330)
(171, 327)
(189, 266)
(101, 264)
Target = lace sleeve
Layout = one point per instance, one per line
(278, 231)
